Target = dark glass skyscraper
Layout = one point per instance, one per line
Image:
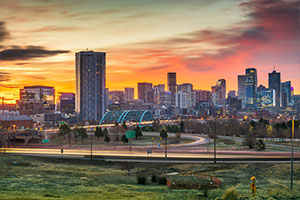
(172, 86)
(286, 94)
(251, 88)
(90, 85)
(274, 83)
(222, 84)
(242, 89)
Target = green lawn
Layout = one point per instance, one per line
(52, 178)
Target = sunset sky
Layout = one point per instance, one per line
(202, 41)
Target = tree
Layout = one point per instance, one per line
(261, 145)
(182, 129)
(124, 139)
(124, 125)
(105, 132)
(163, 134)
(277, 127)
(65, 130)
(82, 134)
(250, 141)
(138, 132)
(107, 138)
(98, 132)
(76, 134)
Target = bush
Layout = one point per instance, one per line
(261, 145)
(230, 194)
(250, 141)
(154, 178)
(162, 181)
(141, 179)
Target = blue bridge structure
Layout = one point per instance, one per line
(121, 116)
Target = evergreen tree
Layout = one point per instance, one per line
(107, 138)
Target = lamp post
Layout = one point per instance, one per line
(292, 155)
(215, 152)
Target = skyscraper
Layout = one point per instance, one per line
(172, 86)
(242, 89)
(145, 92)
(67, 102)
(129, 94)
(274, 83)
(286, 94)
(251, 88)
(90, 85)
(222, 84)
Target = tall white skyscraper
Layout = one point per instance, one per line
(90, 85)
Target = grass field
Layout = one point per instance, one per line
(52, 178)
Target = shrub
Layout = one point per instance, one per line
(154, 178)
(230, 194)
(261, 145)
(249, 141)
(162, 181)
(141, 179)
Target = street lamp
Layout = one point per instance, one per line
(292, 156)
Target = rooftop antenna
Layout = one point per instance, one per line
(274, 67)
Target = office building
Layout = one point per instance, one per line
(116, 97)
(251, 88)
(265, 98)
(90, 98)
(145, 92)
(180, 100)
(36, 100)
(172, 86)
(67, 102)
(274, 83)
(187, 88)
(231, 93)
(129, 94)
(242, 89)
(286, 94)
(222, 84)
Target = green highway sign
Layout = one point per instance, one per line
(45, 140)
(130, 134)
(61, 123)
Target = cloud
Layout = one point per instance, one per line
(28, 52)
(154, 68)
(4, 76)
(55, 28)
(3, 32)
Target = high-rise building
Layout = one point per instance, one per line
(180, 100)
(216, 95)
(36, 100)
(231, 93)
(116, 97)
(172, 86)
(90, 98)
(129, 94)
(242, 89)
(187, 88)
(222, 84)
(251, 88)
(164, 98)
(202, 96)
(286, 94)
(274, 83)
(67, 102)
(157, 89)
(265, 98)
(145, 92)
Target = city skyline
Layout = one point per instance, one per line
(205, 48)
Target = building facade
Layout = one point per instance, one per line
(172, 86)
(274, 83)
(36, 100)
(242, 89)
(251, 88)
(90, 97)
(129, 94)
(67, 102)
(145, 92)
